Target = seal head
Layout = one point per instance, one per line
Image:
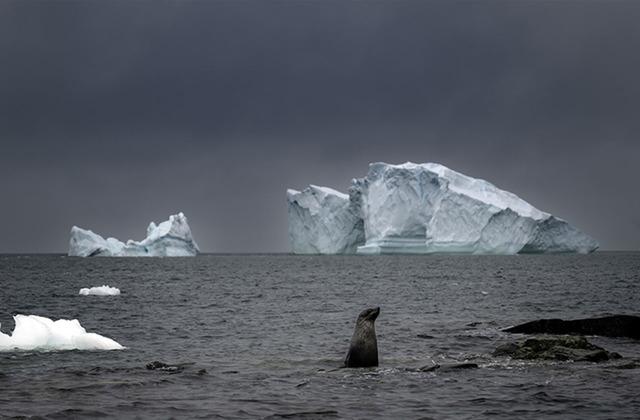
(363, 350)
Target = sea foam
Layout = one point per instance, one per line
(100, 291)
(39, 333)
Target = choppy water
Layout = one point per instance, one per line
(269, 329)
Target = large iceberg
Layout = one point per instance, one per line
(426, 208)
(323, 221)
(171, 238)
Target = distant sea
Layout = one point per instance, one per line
(260, 336)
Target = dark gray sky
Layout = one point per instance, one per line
(113, 114)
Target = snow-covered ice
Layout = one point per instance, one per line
(39, 333)
(100, 291)
(171, 238)
(322, 221)
(429, 208)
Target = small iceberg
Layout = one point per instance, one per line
(100, 291)
(171, 238)
(40, 333)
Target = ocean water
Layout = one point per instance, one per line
(260, 336)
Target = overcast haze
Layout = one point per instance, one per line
(113, 114)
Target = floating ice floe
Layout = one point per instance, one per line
(100, 291)
(171, 238)
(40, 333)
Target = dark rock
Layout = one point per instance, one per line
(628, 365)
(156, 365)
(463, 366)
(429, 368)
(425, 336)
(574, 348)
(321, 414)
(457, 366)
(608, 326)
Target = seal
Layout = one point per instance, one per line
(363, 350)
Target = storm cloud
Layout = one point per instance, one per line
(113, 114)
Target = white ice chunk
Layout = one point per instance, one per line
(39, 333)
(100, 291)
(171, 238)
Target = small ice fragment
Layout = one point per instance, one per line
(100, 291)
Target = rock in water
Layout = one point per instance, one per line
(451, 366)
(363, 350)
(574, 348)
(608, 326)
(323, 221)
(171, 238)
(161, 366)
(425, 208)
